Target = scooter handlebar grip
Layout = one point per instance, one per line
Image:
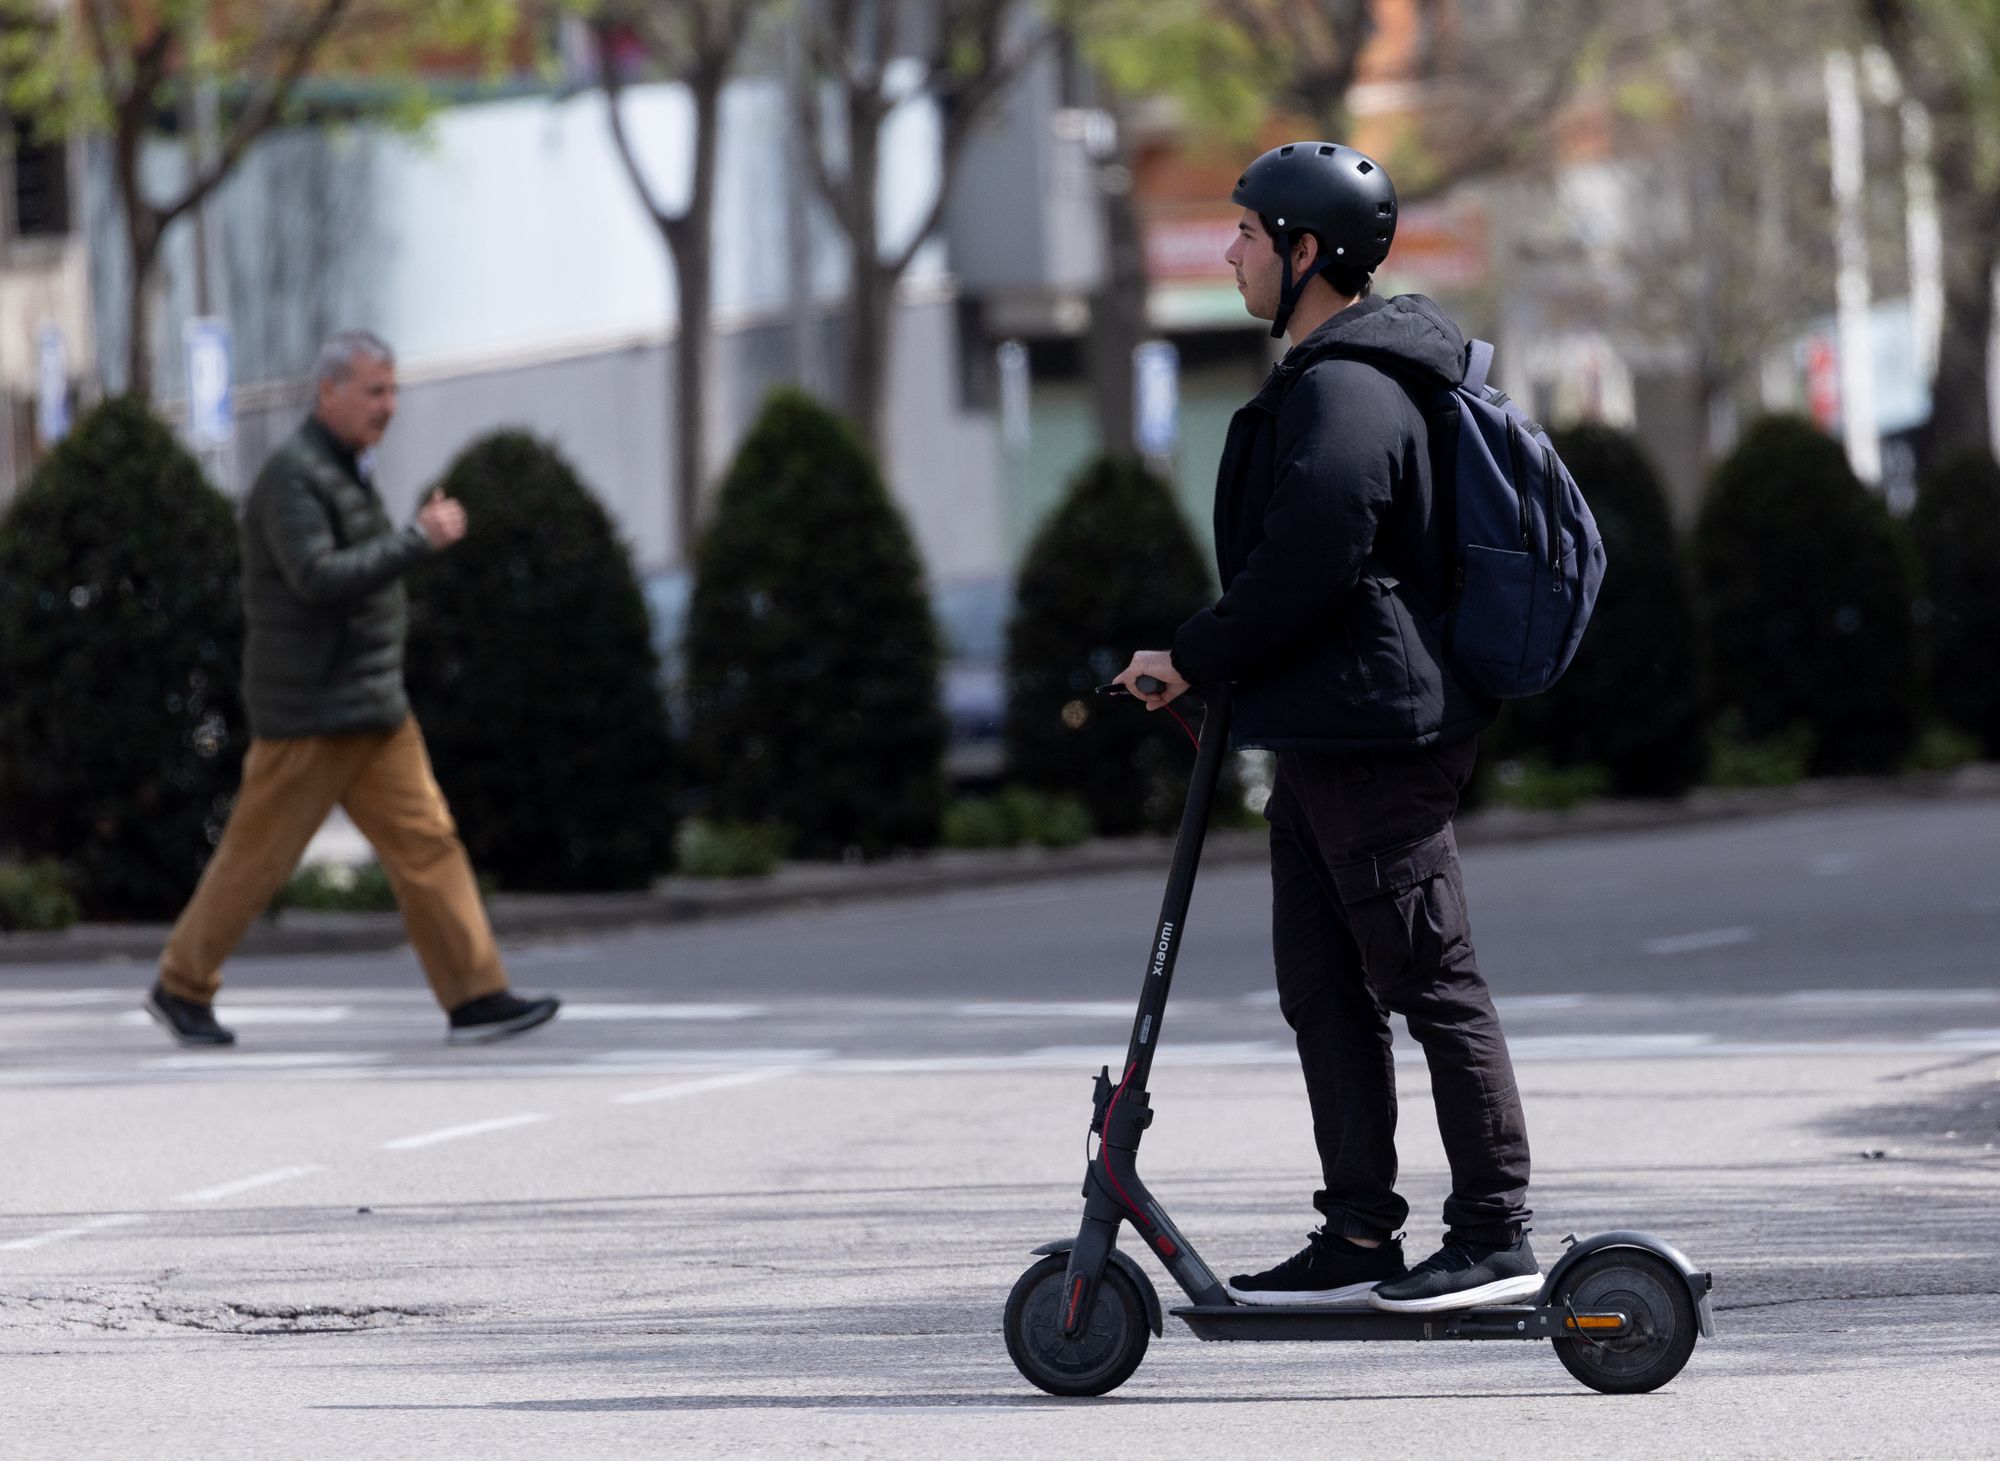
(1146, 683)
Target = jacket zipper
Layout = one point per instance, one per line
(1555, 523)
(1517, 451)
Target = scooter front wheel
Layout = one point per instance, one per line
(1098, 1360)
(1653, 1297)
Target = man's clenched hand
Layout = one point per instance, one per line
(1160, 665)
(442, 518)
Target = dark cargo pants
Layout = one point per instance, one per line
(1368, 919)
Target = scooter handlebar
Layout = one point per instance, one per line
(1146, 683)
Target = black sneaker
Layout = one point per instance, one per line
(186, 1021)
(1463, 1275)
(496, 1016)
(1329, 1270)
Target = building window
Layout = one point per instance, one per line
(40, 185)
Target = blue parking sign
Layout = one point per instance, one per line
(51, 386)
(211, 415)
(1156, 385)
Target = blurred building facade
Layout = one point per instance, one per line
(47, 340)
(504, 254)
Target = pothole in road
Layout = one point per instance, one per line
(138, 1312)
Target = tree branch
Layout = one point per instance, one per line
(256, 118)
(970, 101)
(613, 83)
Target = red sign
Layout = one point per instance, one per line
(1823, 381)
(1440, 247)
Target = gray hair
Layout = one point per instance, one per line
(335, 361)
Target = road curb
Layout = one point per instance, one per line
(803, 886)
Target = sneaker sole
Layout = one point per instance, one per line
(1353, 1296)
(485, 1034)
(1500, 1291)
(204, 1042)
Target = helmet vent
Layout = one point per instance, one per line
(1385, 209)
(1286, 150)
(1381, 238)
(1366, 167)
(1326, 149)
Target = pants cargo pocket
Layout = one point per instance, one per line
(1406, 910)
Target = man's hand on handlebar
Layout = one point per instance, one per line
(1160, 665)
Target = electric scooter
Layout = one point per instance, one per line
(1622, 1309)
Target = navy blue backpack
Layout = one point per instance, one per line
(1529, 558)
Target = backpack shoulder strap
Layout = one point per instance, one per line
(1478, 363)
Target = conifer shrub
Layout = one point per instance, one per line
(1630, 701)
(812, 656)
(1956, 531)
(35, 897)
(1114, 569)
(121, 636)
(1806, 595)
(531, 668)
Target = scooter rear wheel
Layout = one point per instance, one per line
(1654, 1297)
(1097, 1361)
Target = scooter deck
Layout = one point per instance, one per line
(1508, 1321)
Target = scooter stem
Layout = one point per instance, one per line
(1180, 888)
(1112, 1190)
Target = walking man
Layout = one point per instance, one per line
(1330, 544)
(329, 721)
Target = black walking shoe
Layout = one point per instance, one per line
(1463, 1275)
(496, 1016)
(1329, 1270)
(186, 1021)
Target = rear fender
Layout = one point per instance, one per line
(1698, 1282)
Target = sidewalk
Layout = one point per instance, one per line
(806, 885)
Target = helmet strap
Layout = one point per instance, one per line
(1288, 294)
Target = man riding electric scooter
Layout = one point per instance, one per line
(1331, 543)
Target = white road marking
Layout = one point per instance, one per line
(1526, 1003)
(706, 1083)
(1689, 943)
(554, 954)
(35, 999)
(453, 1133)
(263, 1014)
(655, 1060)
(1835, 864)
(230, 1060)
(246, 1184)
(572, 1011)
(1981, 1039)
(1940, 997)
(1602, 1047)
(1049, 1009)
(94, 1225)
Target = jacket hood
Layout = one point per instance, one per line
(1408, 333)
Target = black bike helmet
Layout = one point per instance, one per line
(1342, 198)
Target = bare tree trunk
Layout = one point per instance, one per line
(1961, 416)
(142, 250)
(690, 240)
(874, 285)
(1118, 323)
(851, 43)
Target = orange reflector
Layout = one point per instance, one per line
(1595, 1321)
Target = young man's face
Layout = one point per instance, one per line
(1260, 273)
(359, 408)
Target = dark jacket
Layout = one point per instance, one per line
(322, 594)
(1333, 559)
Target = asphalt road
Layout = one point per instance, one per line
(763, 1188)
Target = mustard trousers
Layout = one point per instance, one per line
(383, 779)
